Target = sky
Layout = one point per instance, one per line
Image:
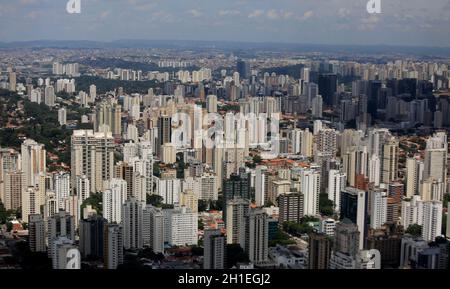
(401, 22)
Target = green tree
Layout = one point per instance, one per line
(9, 226)
(197, 251)
(414, 230)
(281, 238)
(200, 225)
(235, 254)
(257, 159)
(202, 205)
(3, 213)
(95, 200)
(155, 200)
(325, 205)
(217, 205)
(148, 253)
(156, 170)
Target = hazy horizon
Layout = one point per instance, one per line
(320, 22)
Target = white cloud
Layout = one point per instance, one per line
(229, 12)
(306, 15)
(369, 23)
(288, 15)
(163, 16)
(33, 15)
(255, 14)
(273, 14)
(343, 12)
(194, 13)
(27, 2)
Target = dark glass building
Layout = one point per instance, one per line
(328, 88)
(91, 237)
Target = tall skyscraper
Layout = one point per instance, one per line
(83, 189)
(336, 184)
(62, 116)
(33, 162)
(108, 118)
(132, 219)
(319, 251)
(113, 246)
(291, 207)
(126, 172)
(60, 224)
(261, 184)
(378, 209)
(316, 106)
(432, 220)
(153, 228)
(328, 88)
(238, 185)
(164, 132)
(243, 68)
(414, 176)
(60, 248)
(10, 160)
(211, 103)
(435, 165)
(326, 142)
(13, 186)
(257, 236)
(237, 210)
(12, 81)
(30, 202)
(390, 162)
(346, 238)
(49, 96)
(310, 187)
(36, 233)
(354, 207)
(181, 226)
(92, 93)
(92, 156)
(346, 246)
(91, 236)
(214, 250)
(62, 188)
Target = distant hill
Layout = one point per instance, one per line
(230, 45)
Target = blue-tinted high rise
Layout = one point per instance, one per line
(243, 68)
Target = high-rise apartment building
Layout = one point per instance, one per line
(378, 216)
(33, 162)
(214, 250)
(319, 251)
(414, 176)
(132, 219)
(257, 236)
(36, 233)
(291, 207)
(336, 184)
(13, 186)
(113, 246)
(153, 228)
(91, 236)
(354, 204)
(261, 184)
(237, 210)
(92, 156)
